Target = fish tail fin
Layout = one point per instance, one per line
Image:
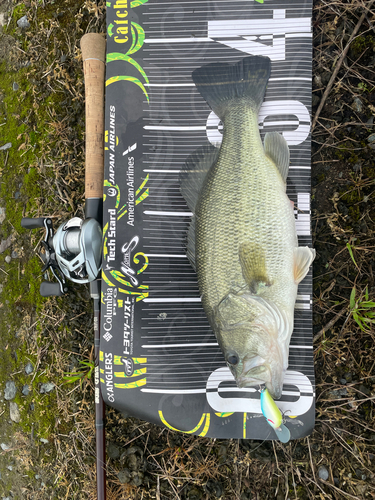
(221, 83)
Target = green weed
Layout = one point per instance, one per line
(363, 311)
(350, 250)
(87, 369)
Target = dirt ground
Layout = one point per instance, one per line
(49, 453)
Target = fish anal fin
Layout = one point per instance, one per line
(253, 264)
(303, 257)
(194, 173)
(277, 150)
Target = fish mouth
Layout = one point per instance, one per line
(257, 371)
(274, 389)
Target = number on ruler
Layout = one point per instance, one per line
(243, 35)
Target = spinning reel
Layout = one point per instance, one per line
(73, 252)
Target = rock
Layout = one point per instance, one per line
(323, 473)
(318, 81)
(326, 76)
(357, 105)
(47, 387)
(14, 255)
(133, 462)
(124, 476)
(6, 146)
(14, 412)
(194, 494)
(365, 390)
(17, 194)
(137, 479)
(337, 393)
(15, 86)
(113, 451)
(10, 390)
(44, 440)
(5, 244)
(214, 488)
(29, 368)
(4, 446)
(2, 214)
(315, 100)
(25, 390)
(8, 259)
(10, 467)
(23, 22)
(371, 138)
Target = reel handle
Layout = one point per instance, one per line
(30, 223)
(93, 54)
(50, 288)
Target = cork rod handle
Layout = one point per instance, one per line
(93, 55)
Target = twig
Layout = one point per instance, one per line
(330, 324)
(342, 492)
(338, 65)
(311, 461)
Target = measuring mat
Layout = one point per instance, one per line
(159, 359)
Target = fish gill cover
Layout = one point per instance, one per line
(160, 360)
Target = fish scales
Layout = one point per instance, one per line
(243, 200)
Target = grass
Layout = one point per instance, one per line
(81, 375)
(44, 122)
(363, 311)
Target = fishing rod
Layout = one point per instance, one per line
(93, 56)
(74, 251)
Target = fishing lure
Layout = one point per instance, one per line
(273, 416)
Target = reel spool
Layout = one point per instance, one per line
(73, 252)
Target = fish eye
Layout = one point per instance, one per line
(233, 359)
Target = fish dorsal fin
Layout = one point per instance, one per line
(194, 173)
(253, 264)
(303, 257)
(277, 150)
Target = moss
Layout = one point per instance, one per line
(360, 44)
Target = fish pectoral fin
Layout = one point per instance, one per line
(194, 173)
(253, 264)
(303, 257)
(277, 150)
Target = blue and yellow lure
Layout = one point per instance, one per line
(273, 416)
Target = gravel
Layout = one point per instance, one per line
(323, 473)
(10, 390)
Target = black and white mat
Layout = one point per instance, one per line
(159, 359)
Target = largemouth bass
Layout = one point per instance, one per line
(242, 239)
